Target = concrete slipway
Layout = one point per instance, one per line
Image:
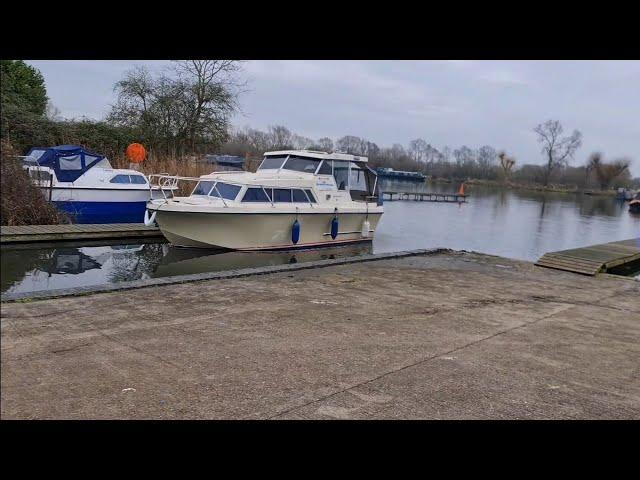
(429, 336)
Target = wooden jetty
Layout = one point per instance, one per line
(594, 259)
(48, 233)
(425, 197)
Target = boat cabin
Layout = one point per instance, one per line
(349, 172)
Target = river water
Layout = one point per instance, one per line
(511, 223)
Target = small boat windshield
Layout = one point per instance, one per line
(217, 189)
(290, 162)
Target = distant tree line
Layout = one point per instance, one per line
(187, 110)
(485, 162)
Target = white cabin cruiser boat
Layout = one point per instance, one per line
(83, 184)
(297, 198)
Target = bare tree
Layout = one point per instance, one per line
(214, 90)
(174, 112)
(280, 137)
(487, 156)
(300, 142)
(418, 149)
(606, 172)
(325, 144)
(506, 163)
(558, 150)
(349, 144)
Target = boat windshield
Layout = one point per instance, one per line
(225, 190)
(272, 162)
(301, 164)
(203, 188)
(293, 162)
(217, 189)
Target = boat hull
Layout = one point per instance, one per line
(103, 212)
(262, 231)
(104, 205)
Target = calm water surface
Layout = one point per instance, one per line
(516, 224)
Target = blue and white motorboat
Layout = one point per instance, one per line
(83, 184)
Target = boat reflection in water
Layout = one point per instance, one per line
(29, 269)
(184, 261)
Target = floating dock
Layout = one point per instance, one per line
(594, 259)
(426, 196)
(48, 233)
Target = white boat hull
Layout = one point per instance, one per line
(262, 231)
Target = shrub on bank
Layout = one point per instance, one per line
(21, 203)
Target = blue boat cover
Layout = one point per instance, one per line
(69, 162)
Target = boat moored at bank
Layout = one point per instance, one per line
(296, 199)
(83, 184)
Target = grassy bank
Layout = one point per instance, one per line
(537, 187)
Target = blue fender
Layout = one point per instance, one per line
(334, 227)
(295, 232)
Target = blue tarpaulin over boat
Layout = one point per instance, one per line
(69, 162)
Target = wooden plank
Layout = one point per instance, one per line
(583, 266)
(593, 259)
(40, 233)
(546, 260)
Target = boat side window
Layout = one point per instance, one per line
(325, 168)
(357, 180)
(312, 199)
(226, 190)
(358, 183)
(341, 174)
(299, 196)
(138, 179)
(72, 162)
(203, 188)
(272, 162)
(301, 164)
(255, 195)
(120, 179)
(282, 195)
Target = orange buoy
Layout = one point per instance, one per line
(461, 191)
(136, 153)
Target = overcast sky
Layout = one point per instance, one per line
(453, 103)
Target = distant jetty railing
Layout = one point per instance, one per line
(425, 197)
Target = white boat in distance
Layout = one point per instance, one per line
(296, 199)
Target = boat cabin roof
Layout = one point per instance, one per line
(69, 162)
(319, 155)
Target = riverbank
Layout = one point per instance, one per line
(539, 188)
(447, 335)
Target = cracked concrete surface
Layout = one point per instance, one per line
(453, 335)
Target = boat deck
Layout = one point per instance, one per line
(594, 259)
(48, 233)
